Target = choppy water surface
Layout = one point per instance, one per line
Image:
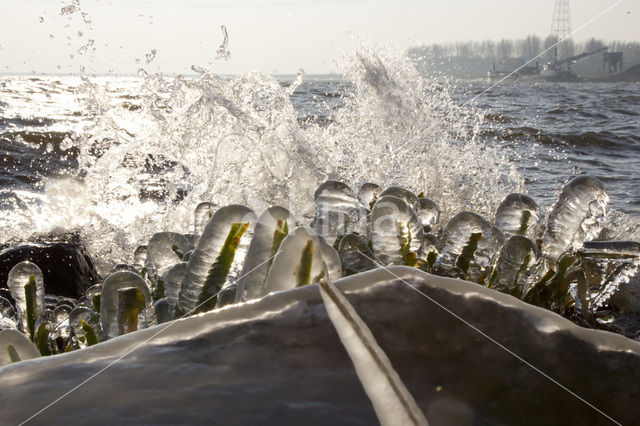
(120, 158)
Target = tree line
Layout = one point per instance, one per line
(475, 58)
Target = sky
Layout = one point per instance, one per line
(271, 36)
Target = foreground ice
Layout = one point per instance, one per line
(280, 361)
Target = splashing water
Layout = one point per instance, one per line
(145, 167)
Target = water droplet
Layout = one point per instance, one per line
(149, 57)
(68, 10)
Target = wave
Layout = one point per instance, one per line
(240, 140)
(20, 122)
(606, 140)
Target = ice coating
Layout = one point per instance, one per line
(623, 249)
(6, 309)
(140, 257)
(90, 317)
(355, 254)
(109, 301)
(271, 229)
(208, 249)
(164, 311)
(164, 250)
(331, 259)
(301, 250)
(429, 213)
(173, 279)
(458, 235)
(601, 258)
(509, 272)
(8, 324)
(8, 316)
(227, 294)
(577, 216)
(404, 194)
(14, 346)
(93, 295)
(202, 214)
(61, 324)
(368, 194)
(16, 280)
(518, 214)
(395, 231)
(613, 282)
(336, 210)
(131, 303)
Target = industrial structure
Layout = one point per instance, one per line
(561, 27)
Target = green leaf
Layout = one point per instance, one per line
(220, 269)
(96, 302)
(13, 354)
(524, 222)
(432, 256)
(158, 291)
(42, 340)
(177, 251)
(464, 260)
(89, 333)
(32, 306)
(551, 292)
(279, 234)
(303, 273)
(409, 258)
(130, 301)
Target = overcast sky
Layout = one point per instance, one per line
(274, 36)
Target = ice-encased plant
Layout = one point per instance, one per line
(368, 194)
(15, 346)
(429, 214)
(518, 214)
(202, 214)
(336, 210)
(395, 231)
(164, 250)
(578, 216)
(355, 254)
(86, 326)
(271, 229)
(131, 302)
(26, 285)
(469, 244)
(173, 279)
(218, 257)
(109, 303)
(610, 267)
(404, 194)
(304, 258)
(513, 262)
(8, 315)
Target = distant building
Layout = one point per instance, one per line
(614, 60)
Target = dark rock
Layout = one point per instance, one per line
(279, 361)
(67, 270)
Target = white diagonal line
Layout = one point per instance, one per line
(500, 345)
(589, 22)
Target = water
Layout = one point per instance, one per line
(119, 158)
